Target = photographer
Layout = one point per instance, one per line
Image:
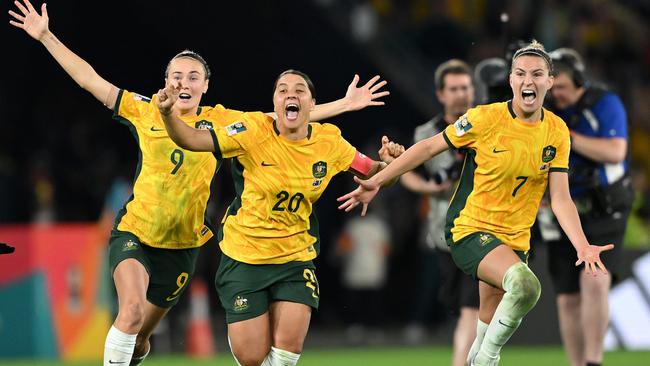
(601, 189)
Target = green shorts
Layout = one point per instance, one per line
(170, 270)
(246, 290)
(469, 251)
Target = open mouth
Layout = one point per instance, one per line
(184, 96)
(291, 111)
(528, 96)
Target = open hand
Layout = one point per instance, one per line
(30, 21)
(590, 256)
(361, 97)
(389, 150)
(167, 97)
(363, 194)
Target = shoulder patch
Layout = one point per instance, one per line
(142, 98)
(235, 128)
(462, 125)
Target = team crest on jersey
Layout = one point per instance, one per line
(235, 128)
(548, 153)
(241, 304)
(462, 125)
(319, 169)
(203, 125)
(484, 239)
(139, 97)
(129, 245)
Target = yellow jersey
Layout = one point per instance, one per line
(172, 185)
(505, 172)
(277, 181)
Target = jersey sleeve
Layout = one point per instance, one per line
(236, 138)
(466, 130)
(223, 116)
(612, 117)
(343, 152)
(561, 161)
(131, 107)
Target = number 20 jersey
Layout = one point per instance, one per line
(277, 181)
(505, 172)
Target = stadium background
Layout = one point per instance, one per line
(61, 154)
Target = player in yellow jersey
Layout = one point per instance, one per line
(266, 279)
(157, 235)
(513, 150)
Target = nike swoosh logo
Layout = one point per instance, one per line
(115, 362)
(156, 129)
(267, 164)
(498, 151)
(506, 325)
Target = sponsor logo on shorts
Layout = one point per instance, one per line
(241, 304)
(204, 230)
(485, 239)
(130, 245)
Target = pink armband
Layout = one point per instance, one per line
(361, 164)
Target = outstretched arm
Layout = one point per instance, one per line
(356, 97)
(410, 159)
(183, 135)
(567, 215)
(79, 70)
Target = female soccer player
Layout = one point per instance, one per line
(266, 279)
(157, 235)
(513, 150)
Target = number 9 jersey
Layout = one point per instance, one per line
(505, 172)
(277, 181)
(172, 185)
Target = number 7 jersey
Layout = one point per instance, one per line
(277, 181)
(505, 172)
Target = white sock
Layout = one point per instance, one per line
(279, 357)
(522, 292)
(118, 348)
(481, 328)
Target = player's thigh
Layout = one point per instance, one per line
(250, 339)
(129, 268)
(171, 271)
(289, 325)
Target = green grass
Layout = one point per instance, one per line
(387, 356)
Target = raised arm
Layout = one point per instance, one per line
(355, 98)
(79, 70)
(567, 215)
(183, 135)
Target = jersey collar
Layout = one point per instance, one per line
(514, 116)
(277, 131)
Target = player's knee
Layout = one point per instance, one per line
(251, 356)
(131, 316)
(287, 344)
(522, 283)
